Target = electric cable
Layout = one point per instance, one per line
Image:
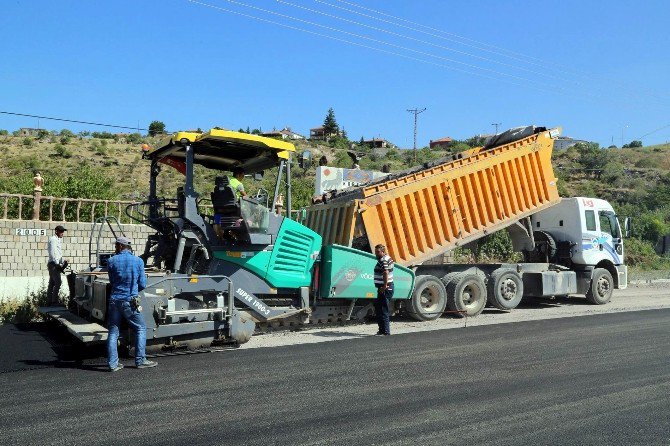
(71, 120)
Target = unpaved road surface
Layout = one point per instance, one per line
(635, 298)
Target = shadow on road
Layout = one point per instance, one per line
(42, 345)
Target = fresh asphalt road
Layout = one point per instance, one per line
(589, 380)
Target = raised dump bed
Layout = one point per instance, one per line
(429, 211)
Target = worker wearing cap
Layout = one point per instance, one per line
(55, 265)
(126, 279)
(236, 182)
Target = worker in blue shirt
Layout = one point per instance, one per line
(126, 279)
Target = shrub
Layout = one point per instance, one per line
(102, 135)
(641, 253)
(134, 138)
(4, 132)
(23, 311)
(62, 151)
(27, 141)
(65, 139)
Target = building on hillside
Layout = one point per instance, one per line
(319, 133)
(285, 133)
(377, 143)
(565, 142)
(25, 131)
(441, 143)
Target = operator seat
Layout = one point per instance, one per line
(227, 211)
(228, 222)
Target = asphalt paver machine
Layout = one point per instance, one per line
(220, 266)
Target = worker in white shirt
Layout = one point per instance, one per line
(55, 265)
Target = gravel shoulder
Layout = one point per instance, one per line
(635, 298)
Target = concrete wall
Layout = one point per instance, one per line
(23, 254)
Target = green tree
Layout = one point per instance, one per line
(591, 156)
(330, 126)
(632, 145)
(156, 128)
(4, 133)
(41, 134)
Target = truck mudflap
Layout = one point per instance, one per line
(549, 283)
(622, 283)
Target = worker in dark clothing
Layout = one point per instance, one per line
(126, 279)
(383, 278)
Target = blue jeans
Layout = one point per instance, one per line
(383, 310)
(117, 310)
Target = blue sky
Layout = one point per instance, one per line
(596, 68)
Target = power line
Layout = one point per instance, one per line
(359, 36)
(654, 131)
(71, 120)
(529, 83)
(338, 39)
(425, 42)
(542, 86)
(529, 59)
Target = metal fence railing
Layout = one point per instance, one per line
(85, 210)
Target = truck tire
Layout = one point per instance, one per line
(447, 278)
(429, 299)
(466, 294)
(545, 248)
(601, 288)
(505, 289)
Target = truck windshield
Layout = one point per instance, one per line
(609, 224)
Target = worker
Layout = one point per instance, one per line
(236, 182)
(126, 280)
(383, 278)
(55, 265)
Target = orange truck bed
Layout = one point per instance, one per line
(427, 212)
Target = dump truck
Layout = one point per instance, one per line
(570, 245)
(219, 268)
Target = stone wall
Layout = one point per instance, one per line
(23, 251)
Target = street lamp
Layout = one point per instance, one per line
(622, 129)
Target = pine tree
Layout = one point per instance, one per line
(330, 127)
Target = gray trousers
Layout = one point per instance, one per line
(53, 290)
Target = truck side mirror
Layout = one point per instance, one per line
(305, 159)
(627, 226)
(258, 175)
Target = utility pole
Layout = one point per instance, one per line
(496, 124)
(622, 129)
(416, 112)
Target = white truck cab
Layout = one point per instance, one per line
(586, 237)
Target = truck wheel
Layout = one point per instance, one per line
(601, 288)
(466, 294)
(505, 289)
(428, 299)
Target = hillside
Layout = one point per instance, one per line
(636, 180)
(120, 163)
